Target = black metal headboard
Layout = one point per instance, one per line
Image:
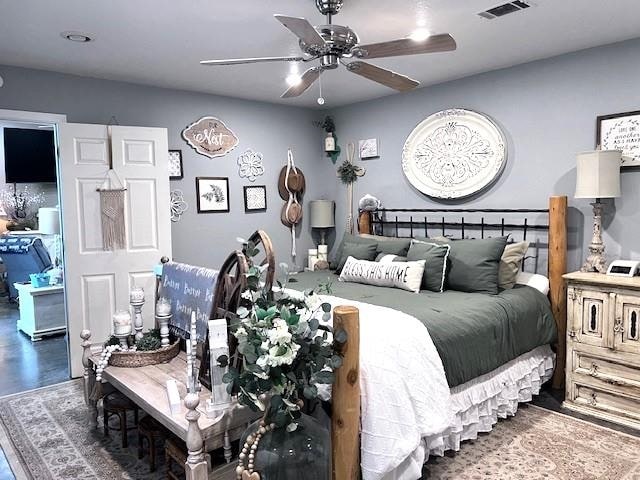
(467, 223)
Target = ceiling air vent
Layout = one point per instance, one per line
(505, 9)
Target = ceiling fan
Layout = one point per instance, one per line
(331, 44)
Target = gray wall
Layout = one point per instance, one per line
(203, 239)
(547, 110)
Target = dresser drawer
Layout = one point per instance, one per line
(597, 399)
(626, 327)
(607, 372)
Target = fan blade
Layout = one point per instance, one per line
(240, 61)
(306, 80)
(386, 77)
(302, 29)
(406, 46)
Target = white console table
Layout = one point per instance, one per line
(41, 310)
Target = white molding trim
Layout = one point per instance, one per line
(25, 116)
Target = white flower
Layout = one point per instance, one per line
(240, 332)
(262, 361)
(282, 355)
(280, 333)
(246, 294)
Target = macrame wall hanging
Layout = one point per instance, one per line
(348, 173)
(112, 196)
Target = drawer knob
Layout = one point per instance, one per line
(572, 333)
(593, 371)
(593, 400)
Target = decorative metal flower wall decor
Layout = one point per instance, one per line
(178, 205)
(250, 165)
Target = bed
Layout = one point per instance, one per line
(490, 366)
(477, 358)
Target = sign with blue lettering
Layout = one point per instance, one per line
(189, 289)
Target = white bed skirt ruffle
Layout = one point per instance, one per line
(479, 403)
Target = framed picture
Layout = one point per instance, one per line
(368, 148)
(255, 198)
(175, 164)
(212, 194)
(620, 131)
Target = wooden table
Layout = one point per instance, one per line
(146, 387)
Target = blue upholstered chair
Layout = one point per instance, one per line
(21, 256)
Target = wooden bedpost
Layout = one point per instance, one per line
(345, 419)
(364, 222)
(88, 379)
(196, 467)
(557, 286)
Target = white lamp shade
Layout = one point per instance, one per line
(598, 174)
(322, 213)
(49, 221)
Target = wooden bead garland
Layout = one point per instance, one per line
(248, 452)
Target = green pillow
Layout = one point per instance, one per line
(351, 239)
(390, 245)
(359, 251)
(474, 264)
(435, 267)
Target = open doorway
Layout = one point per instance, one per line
(33, 325)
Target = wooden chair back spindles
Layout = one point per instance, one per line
(232, 280)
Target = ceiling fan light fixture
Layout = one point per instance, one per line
(293, 79)
(420, 34)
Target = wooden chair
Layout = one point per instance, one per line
(117, 404)
(151, 431)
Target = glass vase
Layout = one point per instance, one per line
(304, 453)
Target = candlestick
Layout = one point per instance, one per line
(163, 317)
(136, 299)
(122, 323)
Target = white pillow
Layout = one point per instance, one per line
(404, 275)
(537, 281)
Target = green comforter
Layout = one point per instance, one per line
(474, 333)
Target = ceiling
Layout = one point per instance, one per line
(160, 42)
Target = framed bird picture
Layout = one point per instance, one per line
(368, 148)
(212, 194)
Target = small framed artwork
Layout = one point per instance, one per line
(620, 131)
(212, 194)
(175, 165)
(368, 148)
(255, 198)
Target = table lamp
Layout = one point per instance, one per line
(49, 224)
(322, 216)
(597, 176)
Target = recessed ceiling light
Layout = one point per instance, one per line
(78, 37)
(420, 34)
(293, 79)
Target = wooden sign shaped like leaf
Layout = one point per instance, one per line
(209, 136)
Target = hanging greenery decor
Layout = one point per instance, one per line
(348, 172)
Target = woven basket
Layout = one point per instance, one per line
(142, 359)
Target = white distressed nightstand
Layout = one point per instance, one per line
(41, 310)
(603, 347)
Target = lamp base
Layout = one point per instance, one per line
(595, 261)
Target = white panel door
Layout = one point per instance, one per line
(97, 282)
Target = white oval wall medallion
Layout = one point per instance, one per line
(454, 153)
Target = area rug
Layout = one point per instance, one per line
(46, 432)
(48, 435)
(540, 444)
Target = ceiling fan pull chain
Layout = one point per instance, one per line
(320, 98)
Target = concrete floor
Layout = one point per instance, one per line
(25, 365)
